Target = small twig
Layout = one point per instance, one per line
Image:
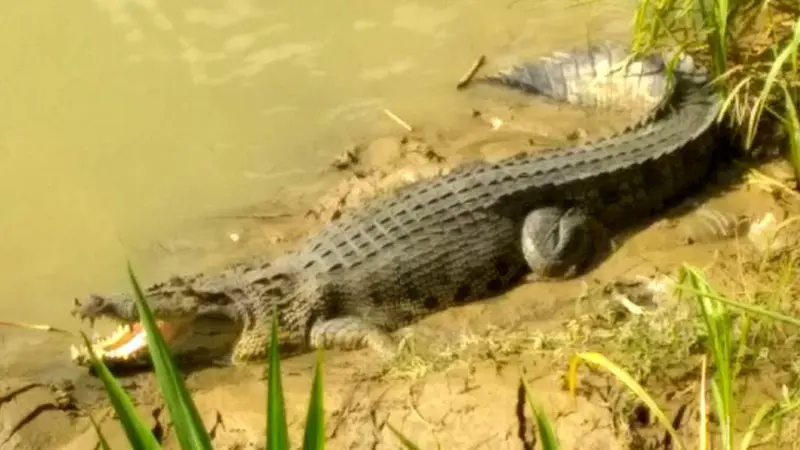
(398, 120)
(32, 326)
(467, 77)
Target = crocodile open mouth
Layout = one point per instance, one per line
(127, 342)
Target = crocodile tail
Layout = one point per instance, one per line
(604, 76)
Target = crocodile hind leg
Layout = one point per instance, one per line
(561, 242)
(351, 333)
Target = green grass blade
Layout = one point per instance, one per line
(763, 411)
(139, 435)
(743, 306)
(315, 418)
(772, 77)
(720, 332)
(792, 126)
(277, 430)
(547, 436)
(188, 425)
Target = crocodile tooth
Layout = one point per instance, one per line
(118, 355)
(74, 352)
(114, 336)
(119, 332)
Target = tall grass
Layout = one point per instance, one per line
(723, 345)
(751, 47)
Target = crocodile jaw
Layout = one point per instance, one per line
(126, 344)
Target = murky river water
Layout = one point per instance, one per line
(123, 119)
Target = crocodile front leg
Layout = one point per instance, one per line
(561, 242)
(253, 343)
(352, 333)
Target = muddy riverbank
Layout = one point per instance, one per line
(458, 384)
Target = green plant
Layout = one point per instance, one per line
(723, 344)
(755, 67)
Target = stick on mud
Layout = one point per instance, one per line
(467, 77)
(398, 120)
(32, 326)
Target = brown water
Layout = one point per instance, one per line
(123, 120)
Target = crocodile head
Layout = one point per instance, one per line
(194, 334)
(204, 319)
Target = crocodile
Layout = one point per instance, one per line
(452, 239)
